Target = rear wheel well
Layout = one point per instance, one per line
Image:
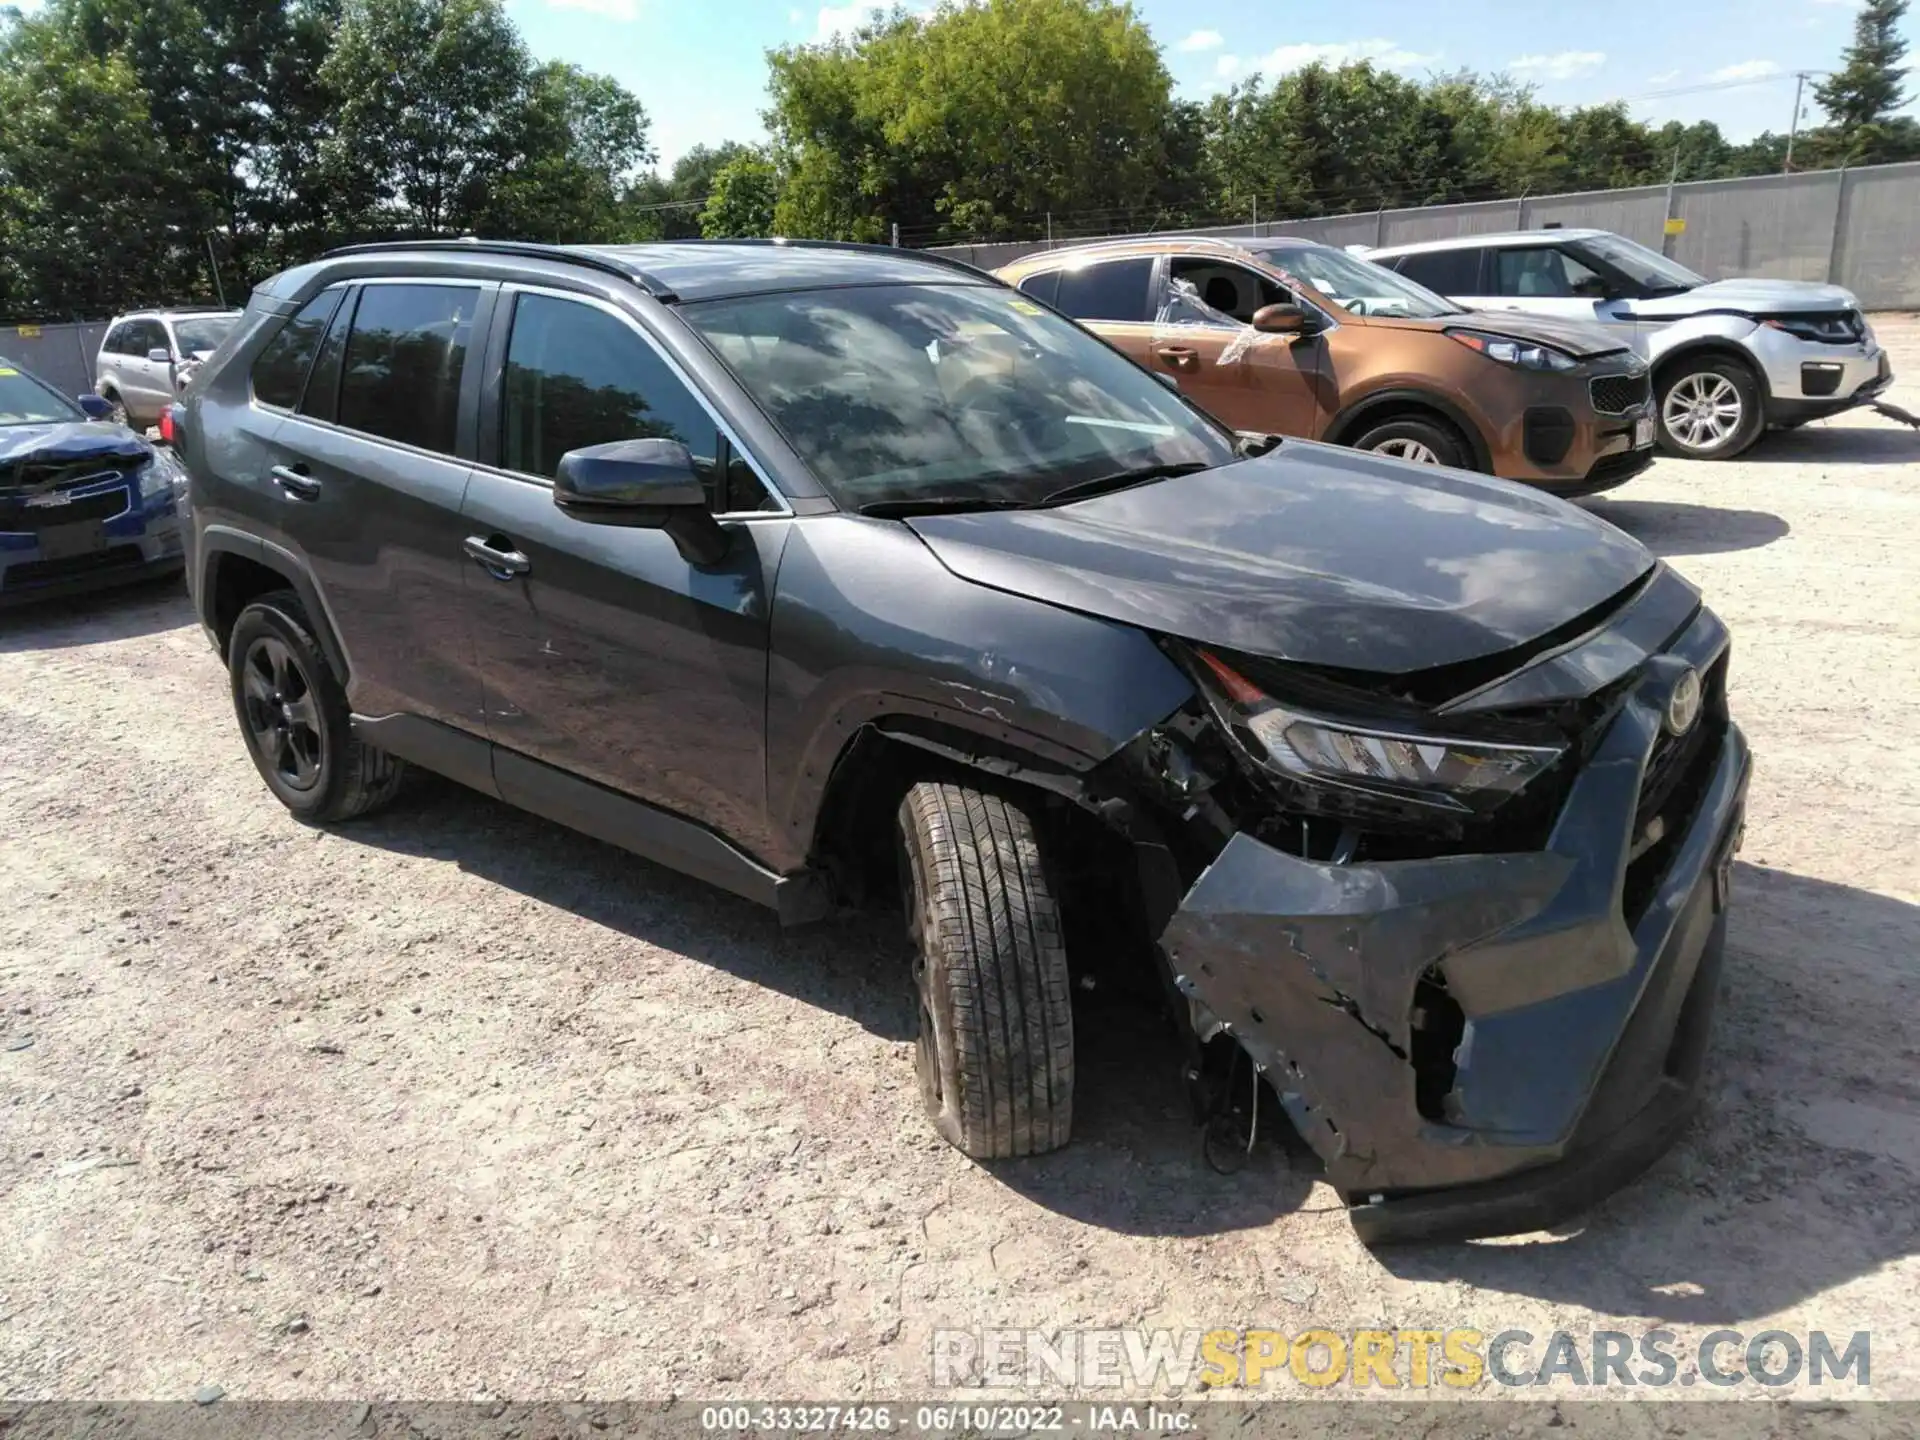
(236, 582)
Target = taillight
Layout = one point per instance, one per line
(170, 425)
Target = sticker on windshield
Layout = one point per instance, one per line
(8, 370)
(1026, 307)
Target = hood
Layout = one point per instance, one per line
(1750, 297)
(65, 443)
(1312, 554)
(1578, 338)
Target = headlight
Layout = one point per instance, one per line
(1522, 354)
(1839, 329)
(1441, 772)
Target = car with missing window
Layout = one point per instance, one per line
(840, 576)
(147, 357)
(84, 502)
(1730, 357)
(1294, 338)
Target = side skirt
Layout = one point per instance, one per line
(633, 825)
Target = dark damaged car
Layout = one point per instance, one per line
(84, 502)
(840, 577)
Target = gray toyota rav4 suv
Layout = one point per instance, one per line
(836, 576)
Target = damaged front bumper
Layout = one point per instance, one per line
(1579, 981)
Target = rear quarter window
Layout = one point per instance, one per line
(280, 373)
(1043, 287)
(1445, 272)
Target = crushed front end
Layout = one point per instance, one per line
(1486, 1013)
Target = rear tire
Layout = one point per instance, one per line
(1418, 440)
(1709, 408)
(995, 1049)
(294, 718)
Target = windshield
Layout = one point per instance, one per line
(25, 401)
(1357, 286)
(948, 393)
(203, 332)
(1648, 269)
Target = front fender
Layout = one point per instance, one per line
(867, 624)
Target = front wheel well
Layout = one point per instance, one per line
(1348, 428)
(1664, 369)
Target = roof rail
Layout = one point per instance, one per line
(569, 254)
(859, 246)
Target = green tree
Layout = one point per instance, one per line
(741, 203)
(975, 118)
(1867, 88)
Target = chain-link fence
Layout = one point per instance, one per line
(1848, 227)
(61, 355)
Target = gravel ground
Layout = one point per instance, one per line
(453, 1102)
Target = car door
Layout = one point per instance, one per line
(1249, 381)
(1114, 299)
(604, 651)
(149, 381)
(368, 477)
(1548, 280)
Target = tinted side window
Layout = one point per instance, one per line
(281, 371)
(401, 376)
(323, 382)
(1113, 290)
(1445, 272)
(115, 339)
(1042, 287)
(577, 376)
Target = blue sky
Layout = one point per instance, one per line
(698, 65)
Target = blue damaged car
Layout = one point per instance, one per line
(84, 503)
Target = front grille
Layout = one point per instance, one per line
(17, 515)
(32, 574)
(1617, 394)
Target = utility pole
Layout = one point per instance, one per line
(1793, 129)
(1666, 231)
(896, 234)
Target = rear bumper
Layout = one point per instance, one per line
(1581, 977)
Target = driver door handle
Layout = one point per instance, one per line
(501, 564)
(295, 482)
(1178, 357)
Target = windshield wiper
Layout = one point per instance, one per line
(935, 505)
(1118, 480)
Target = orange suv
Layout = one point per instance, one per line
(1289, 337)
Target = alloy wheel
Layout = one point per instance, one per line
(1703, 411)
(1407, 449)
(283, 717)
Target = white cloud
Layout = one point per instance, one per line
(1562, 65)
(837, 20)
(1201, 40)
(610, 9)
(1746, 70)
(1665, 77)
(1387, 54)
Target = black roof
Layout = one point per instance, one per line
(710, 269)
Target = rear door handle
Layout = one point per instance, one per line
(1179, 357)
(296, 483)
(501, 564)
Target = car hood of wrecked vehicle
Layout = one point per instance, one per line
(1310, 553)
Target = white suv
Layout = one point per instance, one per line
(148, 355)
(1730, 357)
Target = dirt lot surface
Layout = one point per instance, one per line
(454, 1103)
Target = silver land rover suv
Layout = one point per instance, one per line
(147, 357)
(1730, 357)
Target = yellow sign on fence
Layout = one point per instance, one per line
(1676, 226)
(29, 332)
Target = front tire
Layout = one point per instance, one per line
(995, 1050)
(293, 716)
(1710, 409)
(1418, 440)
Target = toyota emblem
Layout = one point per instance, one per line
(1683, 705)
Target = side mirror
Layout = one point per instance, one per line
(1281, 320)
(95, 406)
(646, 484)
(159, 355)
